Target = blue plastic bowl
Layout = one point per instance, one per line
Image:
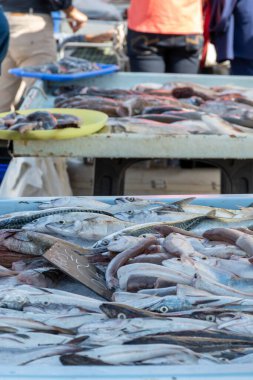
(3, 168)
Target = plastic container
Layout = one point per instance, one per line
(3, 168)
(104, 70)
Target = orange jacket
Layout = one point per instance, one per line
(166, 16)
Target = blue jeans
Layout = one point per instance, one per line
(241, 66)
(159, 53)
(4, 36)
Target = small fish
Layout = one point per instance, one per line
(130, 354)
(123, 257)
(19, 219)
(147, 228)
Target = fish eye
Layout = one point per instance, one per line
(204, 258)
(121, 316)
(61, 221)
(130, 212)
(46, 303)
(164, 309)
(210, 318)
(130, 199)
(105, 242)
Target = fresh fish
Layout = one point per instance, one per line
(123, 257)
(89, 226)
(85, 202)
(153, 270)
(221, 250)
(18, 220)
(23, 356)
(129, 354)
(243, 269)
(146, 228)
(199, 341)
(148, 216)
(184, 205)
(33, 340)
(41, 277)
(59, 301)
(31, 325)
(212, 286)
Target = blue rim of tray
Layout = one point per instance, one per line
(104, 69)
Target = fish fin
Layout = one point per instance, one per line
(78, 340)
(184, 201)
(211, 214)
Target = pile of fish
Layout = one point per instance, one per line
(173, 108)
(39, 120)
(166, 283)
(66, 65)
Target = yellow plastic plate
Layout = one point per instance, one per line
(91, 122)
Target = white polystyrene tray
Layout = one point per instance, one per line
(193, 372)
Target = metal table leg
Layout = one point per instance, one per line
(110, 175)
(236, 175)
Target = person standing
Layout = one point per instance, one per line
(4, 36)
(31, 40)
(231, 31)
(165, 35)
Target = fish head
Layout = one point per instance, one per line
(103, 243)
(127, 200)
(132, 215)
(122, 243)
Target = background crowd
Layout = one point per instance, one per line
(169, 36)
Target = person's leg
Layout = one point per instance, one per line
(33, 44)
(240, 66)
(179, 60)
(4, 36)
(143, 55)
(9, 84)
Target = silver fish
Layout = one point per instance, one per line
(130, 354)
(92, 228)
(150, 228)
(18, 299)
(26, 356)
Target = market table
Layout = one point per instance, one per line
(114, 153)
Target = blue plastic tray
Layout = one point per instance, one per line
(105, 69)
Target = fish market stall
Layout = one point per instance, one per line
(114, 153)
(91, 314)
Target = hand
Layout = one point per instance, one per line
(99, 38)
(76, 18)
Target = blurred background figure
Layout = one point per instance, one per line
(165, 35)
(4, 36)
(31, 40)
(231, 31)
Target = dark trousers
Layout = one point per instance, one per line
(4, 36)
(158, 53)
(241, 66)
